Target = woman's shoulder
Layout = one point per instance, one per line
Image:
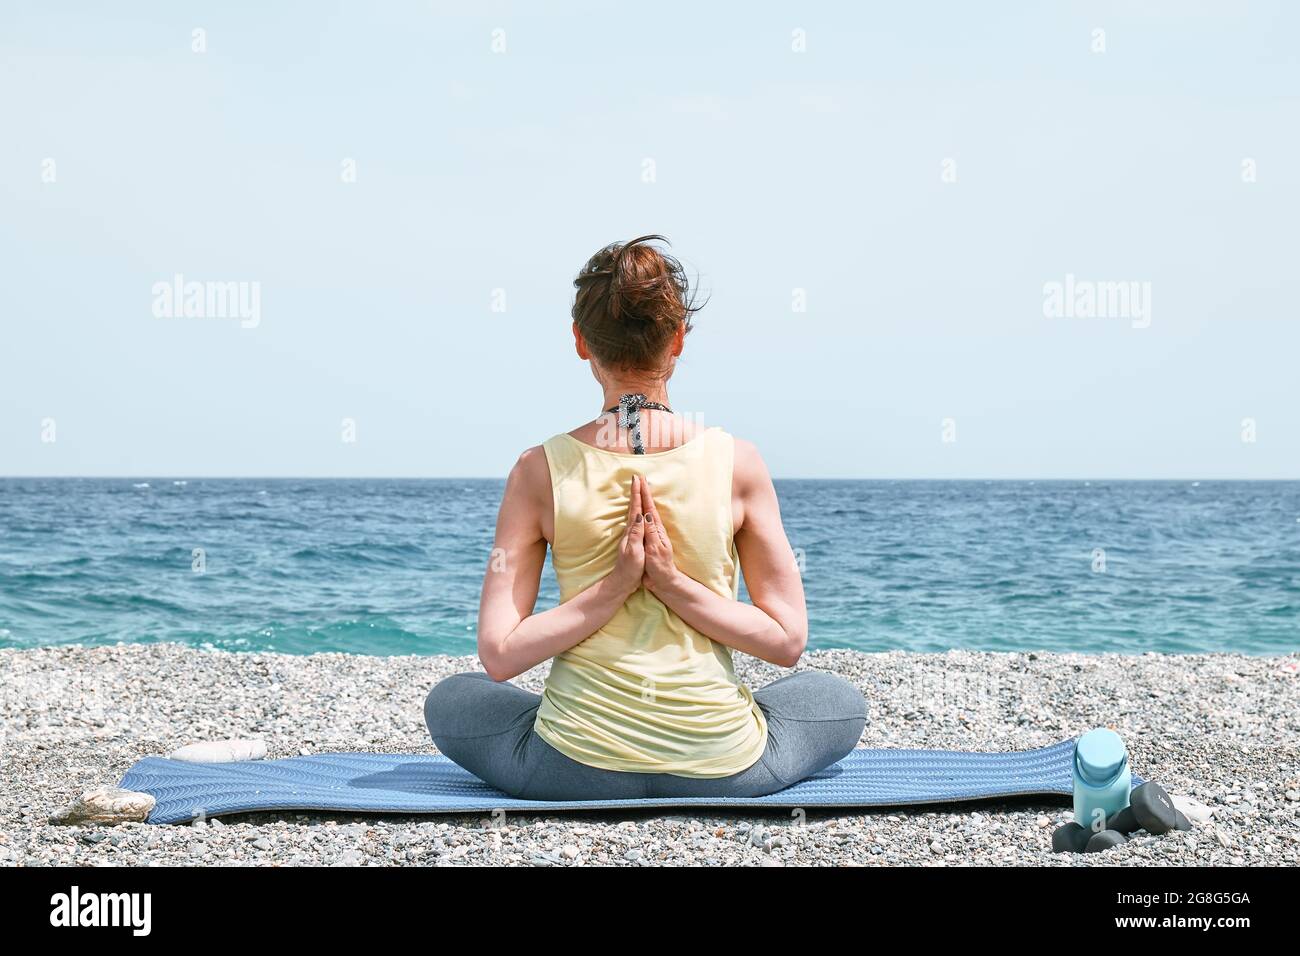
(748, 468)
(531, 472)
(746, 450)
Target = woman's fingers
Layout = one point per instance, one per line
(659, 534)
(635, 509)
(648, 501)
(648, 504)
(634, 505)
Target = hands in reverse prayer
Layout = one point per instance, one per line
(645, 555)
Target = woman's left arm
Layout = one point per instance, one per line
(511, 638)
(775, 627)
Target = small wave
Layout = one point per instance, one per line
(45, 577)
(142, 484)
(130, 602)
(180, 484)
(377, 635)
(164, 558)
(362, 552)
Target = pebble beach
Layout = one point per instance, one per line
(1221, 730)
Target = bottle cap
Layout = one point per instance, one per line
(1099, 756)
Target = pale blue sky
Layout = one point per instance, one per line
(775, 170)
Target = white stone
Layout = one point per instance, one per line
(220, 751)
(106, 806)
(1194, 810)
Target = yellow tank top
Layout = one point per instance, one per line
(647, 693)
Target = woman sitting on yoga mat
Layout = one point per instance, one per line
(649, 520)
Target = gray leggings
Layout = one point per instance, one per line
(813, 719)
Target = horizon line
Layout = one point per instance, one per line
(503, 478)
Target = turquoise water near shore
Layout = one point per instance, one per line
(394, 566)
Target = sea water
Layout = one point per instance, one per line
(395, 566)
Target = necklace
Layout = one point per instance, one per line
(629, 416)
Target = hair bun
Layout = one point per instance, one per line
(632, 299)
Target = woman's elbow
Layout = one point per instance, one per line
(788, 657)
(493, 660)
(494, 669)
(791, 648)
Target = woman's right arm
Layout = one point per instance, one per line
(511, 638)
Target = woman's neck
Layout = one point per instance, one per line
(653, 391)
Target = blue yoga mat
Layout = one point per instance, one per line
(406, 783)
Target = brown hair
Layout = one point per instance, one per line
(632, 298)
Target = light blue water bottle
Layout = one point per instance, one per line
(1101, 778)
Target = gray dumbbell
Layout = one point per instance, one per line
(1070, 838)
(1153, 809)
(1104, 841)
(1125, 821)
